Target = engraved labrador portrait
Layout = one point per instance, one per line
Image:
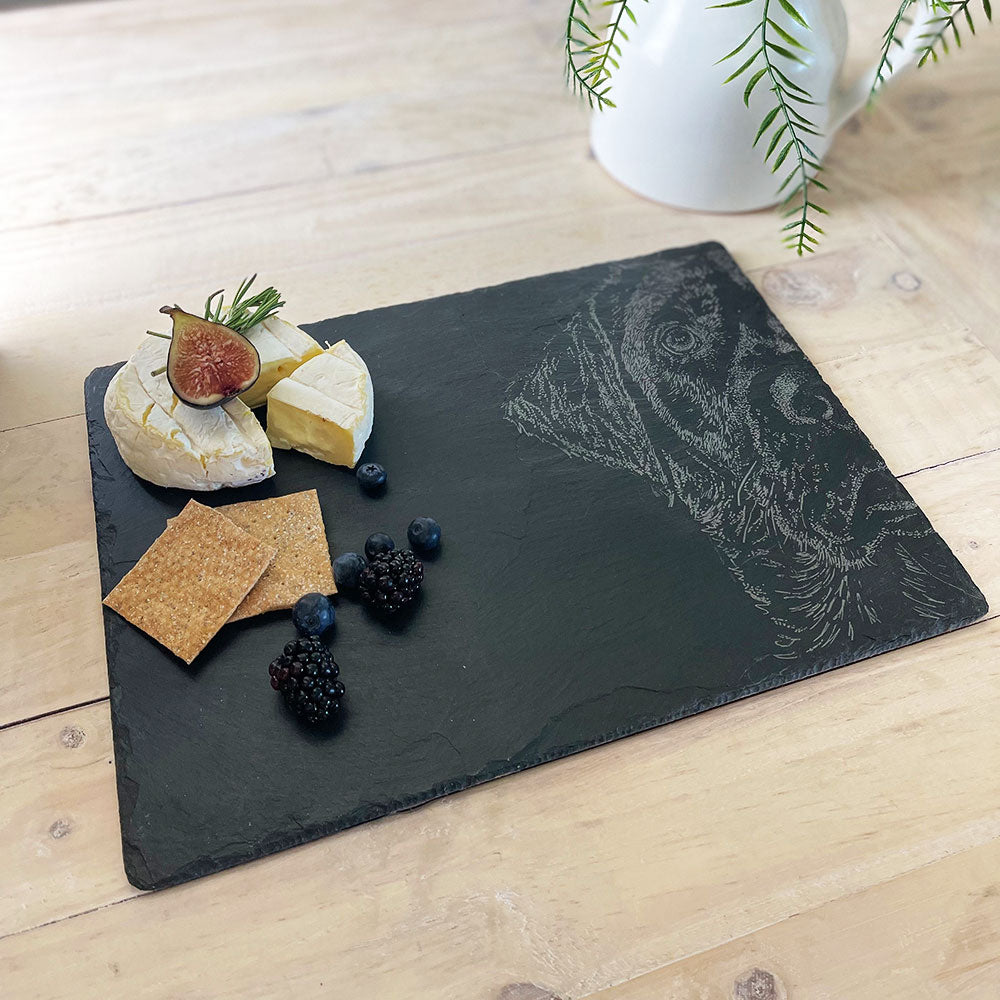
(666, 374)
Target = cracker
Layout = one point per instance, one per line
(191, 579)
(293, 524)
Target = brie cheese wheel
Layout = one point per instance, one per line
(325, 408)
(170, 443)
(282, 348)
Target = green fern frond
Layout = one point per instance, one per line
(788, 126)
(948, 14)
(890, 38)
(593, 49)
(947, 23)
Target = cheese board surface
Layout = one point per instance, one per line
(652, 505)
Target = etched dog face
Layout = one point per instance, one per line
(754, 418)
(843, 504)
(719, 409)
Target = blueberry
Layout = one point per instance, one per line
(313, 614)
(424, 534)
(346, 570)
(371, 477)
(378, 543)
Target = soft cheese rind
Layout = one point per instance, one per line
(343, 350)
(296, 340)
(282, 348)
(325, 408)
(169, 443)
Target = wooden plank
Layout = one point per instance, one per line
(52, 54)
(276, 116)
(963, 503)
(45, 495)
(576, 874)
(842, 303)
(51, 633)
(966, 229)
(68, 854)
(934, 934)
(923, 401)
(930, 183)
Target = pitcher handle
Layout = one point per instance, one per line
(845, 101)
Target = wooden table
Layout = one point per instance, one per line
(834, 839)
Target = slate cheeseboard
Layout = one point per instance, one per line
(652, 505)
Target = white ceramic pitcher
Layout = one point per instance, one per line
(678, 136)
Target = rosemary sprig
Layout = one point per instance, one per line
(243, 313)
(790, 125)
(589, 57)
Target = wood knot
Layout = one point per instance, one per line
(906, 280)
(526, 991)
(821, 287)
(758, 984)
(72, 737)
(60, 828)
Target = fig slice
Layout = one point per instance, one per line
(208, 363)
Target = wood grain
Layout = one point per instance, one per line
(933, 933)
(837, 838)
(923, 401)
(45, 489)
(744, 817)
(842, 303)
(962, 499)
(356, 102)
(68, 855)
(51, 637)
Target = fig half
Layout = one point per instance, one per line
(208, 363)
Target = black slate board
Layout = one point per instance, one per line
(652, 505)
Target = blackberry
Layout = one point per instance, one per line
(391, 581)
(306, 675)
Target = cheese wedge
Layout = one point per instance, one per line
(282, 348)
(170, 443)
(325, 408)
